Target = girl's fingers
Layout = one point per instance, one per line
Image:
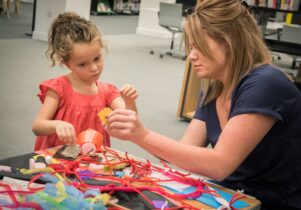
(73, 134)
(61, 134)
(70, 135)
(131, 92)
(66, 134)
(124, 89)
(128, 90)
(135, 95)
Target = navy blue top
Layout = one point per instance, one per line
(272, 172)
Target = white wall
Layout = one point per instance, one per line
(82, 7)
(48, 10)
(148, 23)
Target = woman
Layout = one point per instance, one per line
(251, 112)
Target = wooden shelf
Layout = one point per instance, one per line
(190, 91)
(271, 9)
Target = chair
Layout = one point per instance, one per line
(170, 18)
(6, 6)
(292, 33)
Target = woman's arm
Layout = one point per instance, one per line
(239, 137)
(196, 134)
(43, 125)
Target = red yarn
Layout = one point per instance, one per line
(138, 181)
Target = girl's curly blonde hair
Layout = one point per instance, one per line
(66, 30)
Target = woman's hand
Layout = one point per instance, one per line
(65, 132)
(129, 94)
(124, 124)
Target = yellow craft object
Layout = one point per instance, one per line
(35, 157)
(48, 159)
(103, 115)
(61, 193)
(62, 179)
(36, 170)
(104, 197)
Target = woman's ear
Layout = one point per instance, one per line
(227, 48)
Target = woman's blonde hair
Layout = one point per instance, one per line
(66, 30)
(231, 24)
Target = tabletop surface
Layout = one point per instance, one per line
(22, 161)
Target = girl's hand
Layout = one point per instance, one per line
(65, 132)
(129, 94)
(124, 124)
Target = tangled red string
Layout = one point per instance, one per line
(138, 181)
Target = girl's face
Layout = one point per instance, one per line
(204, 66)
(86, 61)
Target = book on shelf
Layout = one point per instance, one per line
(293, 5)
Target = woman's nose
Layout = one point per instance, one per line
(192, 55)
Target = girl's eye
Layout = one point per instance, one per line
(82, 65)
(97, 58)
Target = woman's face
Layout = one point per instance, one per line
(204, 66)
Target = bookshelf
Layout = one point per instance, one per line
(264, 9)
(270, 9)
(110, 7)
(284, 5)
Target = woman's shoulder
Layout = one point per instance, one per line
(266, 75)
(266, 70)
(266, 80)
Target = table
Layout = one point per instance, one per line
(283, 47)
(132, 200)
(275, 25)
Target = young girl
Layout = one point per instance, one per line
(70, 103)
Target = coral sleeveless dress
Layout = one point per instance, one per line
(76, 108)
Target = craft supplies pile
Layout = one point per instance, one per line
(88, 175)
